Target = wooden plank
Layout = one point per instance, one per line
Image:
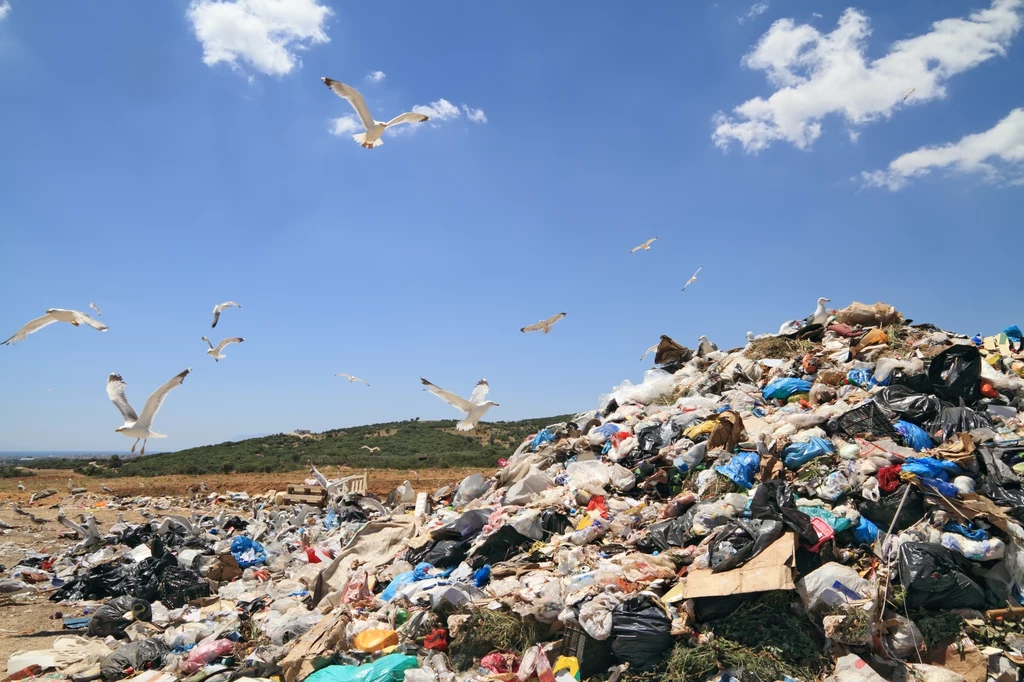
(306, 490)
(317, 500)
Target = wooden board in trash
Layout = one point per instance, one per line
(316, 500)
(772, 569)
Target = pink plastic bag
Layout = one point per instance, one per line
(206, 652)
(535, 662)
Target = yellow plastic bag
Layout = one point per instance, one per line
(567, 663)
(703, 427)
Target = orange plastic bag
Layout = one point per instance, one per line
(375, 640)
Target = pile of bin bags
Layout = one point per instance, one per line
(888, 462)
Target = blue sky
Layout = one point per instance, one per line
(158, 158)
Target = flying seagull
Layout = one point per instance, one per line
(543, 324)
(93, 306)
(908, 93)
(820, 315)
(351, 378)
(374, 129)
(646, 246)
(692, 279)
(215, 353)
(474, 408)
(135, 426)
(54, 315)
(219, 307)
(367, 447)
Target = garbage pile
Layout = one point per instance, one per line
(841, 502)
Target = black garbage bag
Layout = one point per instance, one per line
(742, 540)
(440, 553)
(641, 633)
(178, 586)
(466, 526)
(665, 534)
(916, 408)
(134, 657)
(501, 545)
(651, 439)
(870, 418)
(554, 523)
(955, 374)
(347, 513)
(774, 500)
(109, 619)
(882, 512)
(937, 578)
(953, 420)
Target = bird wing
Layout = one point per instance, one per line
(635, 249)
(449, 397)
(479, 393)
(82, 318)
(554, 318)
(224, 342)
(650, 350)
(909, 93)
(33, 326)
(650, 241)
(115, 391)
(154, 401)
(347, 376)
(93, 306)
(363, 380)
(219, 307)
(354, 98)
(532, 327)
(208, 342)
(408, 117)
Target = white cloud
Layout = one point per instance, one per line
(817, 15)
(997, 153)
(346, 125)
(756, 10)
(264, 33)
(854, 135)
(5, 9)
(819, 74)
(438, 111)
(376, 76)
(475, 115)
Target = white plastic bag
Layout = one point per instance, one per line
(975, 550)
(833, 584)
(656, 383)
(596, 616)
(588, 473)
(869, 490)
(470, 488)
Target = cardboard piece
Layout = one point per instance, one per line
(772, 569)
(962, 658)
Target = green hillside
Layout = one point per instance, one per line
(403, 445)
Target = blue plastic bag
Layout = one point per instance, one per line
(780, 389)
(865, 532)
(482, 576)
(741, 469)
(1014, 335)
(541, 438)
(606, 430)
(421, 572)
(915, 436)
(969, 531)
(795, 455)
(331, 519)
(859, 377)
(247, 552)
(946, 488)
(929, 467)
(390, 668)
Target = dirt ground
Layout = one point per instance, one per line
(28, 623)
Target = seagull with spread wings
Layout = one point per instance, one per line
(93, 306)
(139, 426)
(646, 246)
(352, 379)
(373, 449)
(908, 93)
(374, 129)
(474, 408)
(215, 353)
(54, 315)
(219, 307)
(543, 324)
(692, 279)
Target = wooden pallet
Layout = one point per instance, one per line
(306, 494)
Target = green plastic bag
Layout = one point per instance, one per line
(390, 668)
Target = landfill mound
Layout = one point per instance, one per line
(842, 501)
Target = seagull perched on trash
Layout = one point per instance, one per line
(705, 347)
(373, 449)
(32, 517)
(820, 315)
(139, 426)
(543, 324)
(9, 588)
(106, 489)
(750, 337)
(54, 315)
(219, 307)
(71, 486)
(352, 379)
(374, 129)
(21, 486)
(693, 278)
(215, 353)
(474, 408)
(646, 246)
